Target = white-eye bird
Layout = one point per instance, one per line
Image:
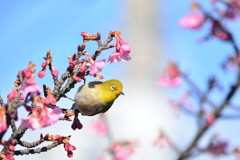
(97, 97)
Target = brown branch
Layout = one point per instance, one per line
(103, 46)
(37, 150)
(30, 145)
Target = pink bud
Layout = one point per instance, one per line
(55, 73)
(70, 154)
(41, 73)
(44, 64)
(50, 100)
(12, 95)
(76, 78)
(85, 34)
(72, 64)
(192, 21)
(21, 97)
(99, 77)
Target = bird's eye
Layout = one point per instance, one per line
(113, 87)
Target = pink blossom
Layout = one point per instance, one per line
(217, 147)
(97, 67)
(98, 77)
(213, 2)
(235, 4)
(44, 64)
(170, 76)
(76, 124)
(122, 47)
(41, 73)
(219, 32)
(9, 148)
(85, 34)
(122, 52)
(70, 154)
(50, 100)
(76, 78)
(27, 73)
(114, 57)
(9, 155)
(192, 21)
(55, 73)
(122, 150)
(166, 81)
(31, 88)
(21, 96)
(99, 127)
(54, 138)
(162, 140)
(210, 118)
(184, 100)
(46, 118)
(69, 147)
(230, 13)
(12, 95)
(122, 154)
(237, 153)
(72, 64)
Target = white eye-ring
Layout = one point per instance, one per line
(113, 87)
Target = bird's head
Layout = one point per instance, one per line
(111, 89)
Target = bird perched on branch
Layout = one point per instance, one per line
(97, 97)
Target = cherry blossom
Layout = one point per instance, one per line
(162, 141)
(192, 21)
(122, 52)
(210, 118)
(217, 147)
(122, 150)
(99, 127)
(96, 66)
(50, 100)
(170, 76)
(41, 118)
(41, 73)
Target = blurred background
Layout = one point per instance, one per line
(30, 28)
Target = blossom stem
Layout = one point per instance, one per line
(197, 90)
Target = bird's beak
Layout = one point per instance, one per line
(122, 93)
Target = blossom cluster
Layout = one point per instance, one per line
(48, 62)
(61, 139)
(198, 17)
(43, 112)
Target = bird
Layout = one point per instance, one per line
(97, 97)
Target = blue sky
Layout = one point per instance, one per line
(30, 28)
